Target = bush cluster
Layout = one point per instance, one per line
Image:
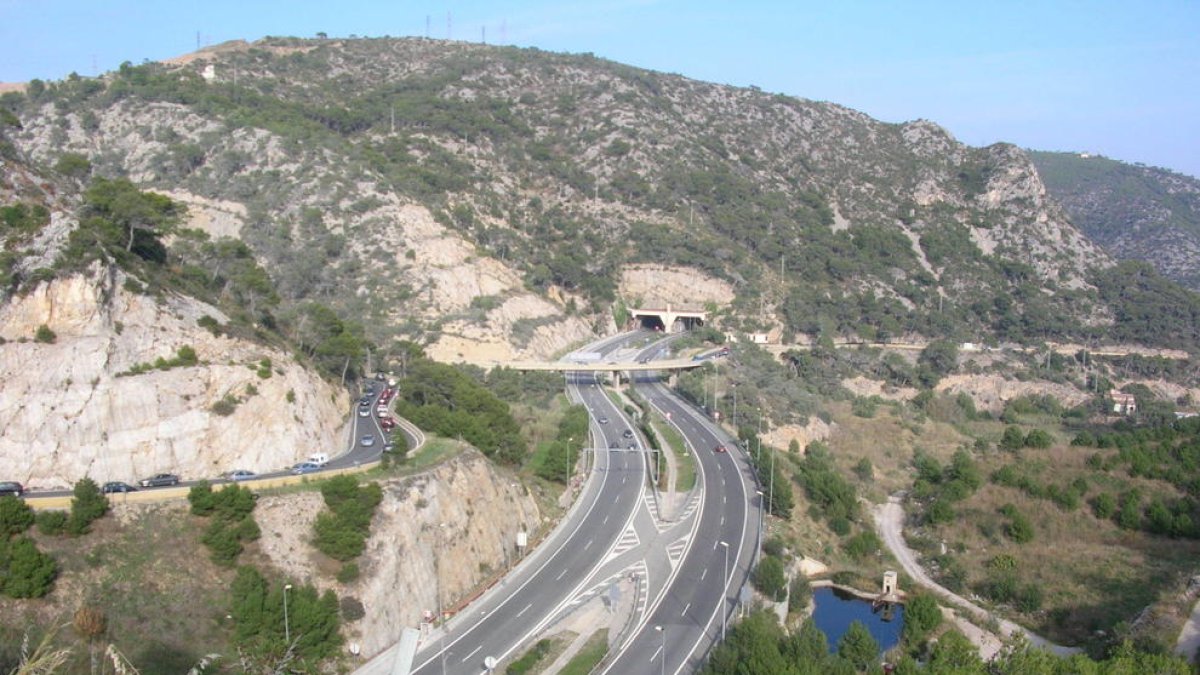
(342, 530)
(232, 521)
(25, 572)
(258, 617)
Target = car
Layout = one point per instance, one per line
(632, 445)
(615, 444)
(628, 433)
(389, 446)
(719, 448)
(117, 486)
(242, 474)
(387, 423)
(370, 390)
(305, 467)
(365, 400)
(364, 412)
(603, 420)
(11, 487)
(159, 480)
(368, 440)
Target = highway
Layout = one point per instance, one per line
(686, 621)
(505, 619)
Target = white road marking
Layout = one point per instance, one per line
(560, 575)
(588, 545)
(685, 609)
(704, 574)
(605, 522)
(468, 656)
(656, 653)
(531, 605)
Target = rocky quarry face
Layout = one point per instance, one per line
(74, 408)
(447, 529)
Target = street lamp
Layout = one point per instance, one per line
(437, 560)
(725, 590)
(287, 629)
(663, 662)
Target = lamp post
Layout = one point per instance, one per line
(437, 560)
(771, 499)
(724, 597)
(663, 663)
(287, 629)
(760, 515)
(735, 418)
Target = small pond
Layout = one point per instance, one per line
(836, 609)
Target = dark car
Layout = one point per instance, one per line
(615, 444)
(11, 487)
(628, 433)
(160, 480)
(117, 486)
(603, 420)
(633, 445)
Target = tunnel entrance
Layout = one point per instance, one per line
(651, 322)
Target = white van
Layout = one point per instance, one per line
(320, 459)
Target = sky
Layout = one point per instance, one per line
(1111, 77)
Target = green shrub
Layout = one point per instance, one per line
(862, 545)
(200, 496)
(225, 407)
(530, 659)
(348, 573)
(769, 578)
(44, 335)
(341, 532)
(52, 522)
(25, 571)
(15, 516)
(799, 594)
(921, 616)
(87, 505)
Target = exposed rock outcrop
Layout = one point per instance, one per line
(444, 529)
(72, 407)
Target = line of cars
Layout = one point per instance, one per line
(314, 463)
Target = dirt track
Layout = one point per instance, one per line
(889, 520)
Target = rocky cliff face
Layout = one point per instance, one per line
(446, 529)
(73, 407)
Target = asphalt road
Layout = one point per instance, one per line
(500, 623)
(680, 630)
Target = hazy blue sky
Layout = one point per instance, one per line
(1120, 78)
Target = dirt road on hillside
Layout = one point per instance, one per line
(889, 520)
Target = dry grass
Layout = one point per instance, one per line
(1092, 573)
(888, 440)
(145, 569)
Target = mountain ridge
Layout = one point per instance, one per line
(558, 171)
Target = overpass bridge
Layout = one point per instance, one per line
(604, 366)
(672, 366)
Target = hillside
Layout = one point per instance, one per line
(1135, 212)
(111, 369)
(488, 201)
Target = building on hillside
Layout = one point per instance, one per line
(1123, 404)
